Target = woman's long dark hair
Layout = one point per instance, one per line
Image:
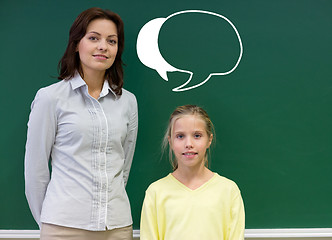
(70, 62)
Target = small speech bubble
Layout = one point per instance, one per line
(149, 53)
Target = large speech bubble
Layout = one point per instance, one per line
(149, 54)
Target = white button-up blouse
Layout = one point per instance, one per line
(90, 144)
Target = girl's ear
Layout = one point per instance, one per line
(169, 141)
(210, 140)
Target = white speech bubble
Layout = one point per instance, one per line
(149, 54)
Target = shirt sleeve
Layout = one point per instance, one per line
(148, 226)
(237, 225)
(40, 139)
(130, 141)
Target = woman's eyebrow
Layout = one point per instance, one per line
(112, 35)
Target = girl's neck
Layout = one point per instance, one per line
(193, 178)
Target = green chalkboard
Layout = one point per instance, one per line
(273, 113)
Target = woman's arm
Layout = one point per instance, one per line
(130, 142)
(40, 139)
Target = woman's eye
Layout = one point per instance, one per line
(92, 38)
(198, 135)
(112, 41)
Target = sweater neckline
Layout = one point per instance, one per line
(193, 190)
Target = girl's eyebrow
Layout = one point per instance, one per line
(178, 131)
(199, 131)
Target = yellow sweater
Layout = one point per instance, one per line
(172, 211)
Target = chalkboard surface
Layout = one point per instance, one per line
(273, 113)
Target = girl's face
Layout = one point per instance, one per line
(98, 48)
(189, 141)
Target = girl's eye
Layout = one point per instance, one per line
(179, 136)
(198, 135)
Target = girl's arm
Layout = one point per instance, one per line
(130, 142)
(149, 226)
(40, 139)
(236, 229)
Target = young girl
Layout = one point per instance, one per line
(192, 202)
(87, 124)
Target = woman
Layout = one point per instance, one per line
(87, 125)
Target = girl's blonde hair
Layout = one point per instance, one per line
(178, 113)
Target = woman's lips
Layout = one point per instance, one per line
(99, 56)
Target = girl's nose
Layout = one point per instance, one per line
(189, 143)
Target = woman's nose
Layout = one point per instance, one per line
(102, 46)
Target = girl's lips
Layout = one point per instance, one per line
(189, 153)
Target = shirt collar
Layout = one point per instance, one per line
(106, 89)
(77, 82)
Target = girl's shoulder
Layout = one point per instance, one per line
(226, 183)
(161, 183)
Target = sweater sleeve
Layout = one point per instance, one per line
(149, 226)
(237, 225)
(130, 141)
(40, 139)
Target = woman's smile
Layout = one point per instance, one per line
(98, 48)
(100, 56)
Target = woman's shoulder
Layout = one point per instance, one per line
(129, 101)
(53, 89)
(128, 95)
(46, 97)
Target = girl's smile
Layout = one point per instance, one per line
(189, 141)
(189, 153)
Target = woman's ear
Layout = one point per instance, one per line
(77, 45)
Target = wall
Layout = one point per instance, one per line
(272, 114)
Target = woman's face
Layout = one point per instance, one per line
(98, 48)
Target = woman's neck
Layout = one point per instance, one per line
(95, 82)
